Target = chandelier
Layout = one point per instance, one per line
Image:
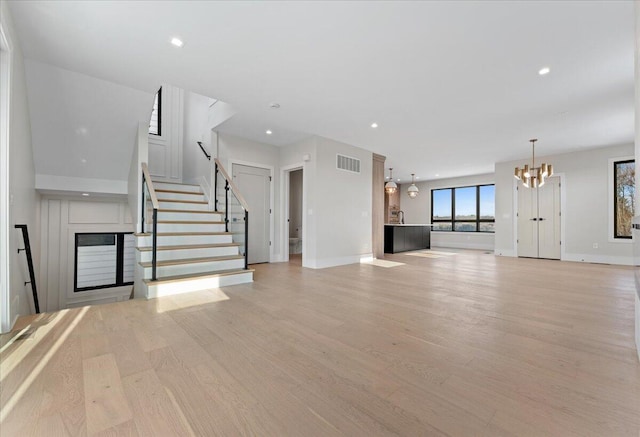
(533, 176)
(413, 191)
(390, 187)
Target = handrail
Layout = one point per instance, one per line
(32, 275)
(146, 180)
(152, 191)
(204, 151)
(229, 185)
(225, 175)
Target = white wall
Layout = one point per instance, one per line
(75, 117)
(23, 203)
(585, 209)
(418, 210)
(196, 169)
(61, 218)
(343, 206)
(165, 150)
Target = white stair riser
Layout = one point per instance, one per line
(190, 227)
(180, 196)
(197, 284)
(165, 255)
(181, 205)
(176, 187)
(190, 216)
(192, 268)
(181, 240)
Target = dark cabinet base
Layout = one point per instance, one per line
(405, 238)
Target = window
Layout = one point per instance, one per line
(464, 209)
(104, 260)
(155, 124)
(624, 174)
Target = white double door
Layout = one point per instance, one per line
(539, 220)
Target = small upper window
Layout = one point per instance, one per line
(624, 180)
(155, 125)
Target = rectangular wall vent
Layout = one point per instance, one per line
(348, 163)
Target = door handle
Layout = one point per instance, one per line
(534, 219)
(541, 218)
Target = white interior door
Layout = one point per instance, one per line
(527, 222)
(539, 220)
(549, 219)
(255, 185)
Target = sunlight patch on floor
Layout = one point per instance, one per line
(383, 263)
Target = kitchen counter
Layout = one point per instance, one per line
(405, 237)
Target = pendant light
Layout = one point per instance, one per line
(533, 177)
(390, 187)
(413, 191)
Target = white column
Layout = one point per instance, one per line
(637, 80)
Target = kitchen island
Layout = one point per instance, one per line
(402, 238)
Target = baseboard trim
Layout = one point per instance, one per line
(599, 259)
(338, 261)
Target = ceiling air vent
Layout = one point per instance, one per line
(348, 163)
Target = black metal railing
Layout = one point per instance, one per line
(236, 210)
(32, 275)
(149, 195)
(204, 151)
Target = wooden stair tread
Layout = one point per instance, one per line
(189, 211)
(188, 246)
(204, 202)
(163, 190)
(176, 278)
(192, 260)
(175, 183)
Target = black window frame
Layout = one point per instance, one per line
(453, 220)
(615, 199)
(119, 262)
(159, 133)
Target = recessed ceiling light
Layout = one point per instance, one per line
(437, 175)
(268, 132)
(544, 71)
(417, 177)
(374, 125)
(398, 179)
(274, 105)
(85, 194)
(177, 42)
(84, 161)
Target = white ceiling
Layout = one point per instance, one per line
(453, 85)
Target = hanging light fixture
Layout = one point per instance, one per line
(533, 176)
(413, 191)
(390, 187)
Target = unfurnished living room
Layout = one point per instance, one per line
(292, 218)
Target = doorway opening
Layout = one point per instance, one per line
(295, 216)
(294, 231)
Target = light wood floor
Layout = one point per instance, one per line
(462, 345)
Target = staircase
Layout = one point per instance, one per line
(194, 252)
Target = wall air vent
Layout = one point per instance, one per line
(347, 163)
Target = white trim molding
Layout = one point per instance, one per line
(6, 62)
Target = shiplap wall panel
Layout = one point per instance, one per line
(57, 233)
